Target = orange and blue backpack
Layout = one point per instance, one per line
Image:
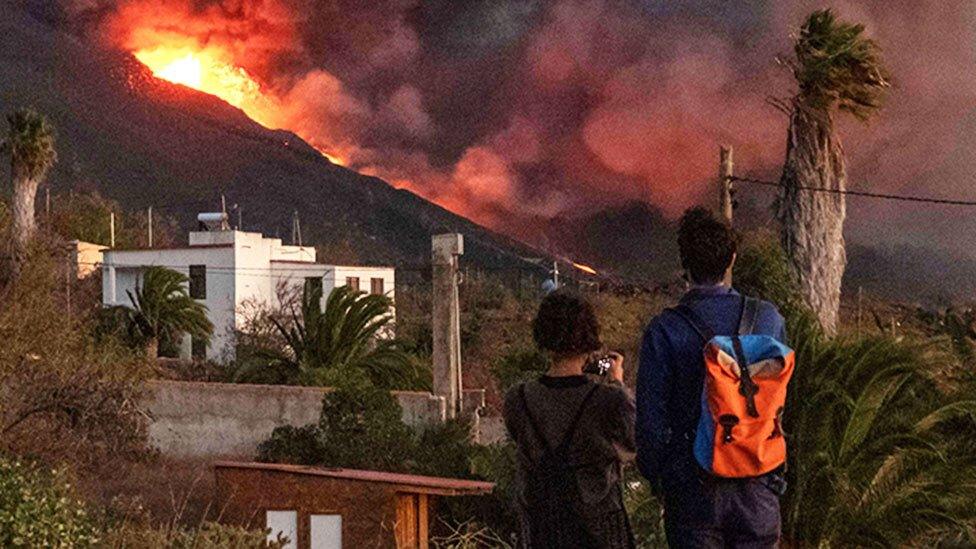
(740, 432)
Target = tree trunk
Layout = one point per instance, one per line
(24, 226)
(812, 223)
(152, 348)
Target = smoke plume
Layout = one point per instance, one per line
(512, 112)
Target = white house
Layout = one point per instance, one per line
(232, 271)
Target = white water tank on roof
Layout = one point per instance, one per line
(213, 221)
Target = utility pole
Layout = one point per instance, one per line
(223, 204)
(111, 229)
(725, 191)
(149, 214)
(725, 182)
(446, 320)
(296, 229)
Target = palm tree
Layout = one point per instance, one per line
(30, 143)
(346, 338)
(162, 307)
(880, 454)
(837, 69)
(882, 434)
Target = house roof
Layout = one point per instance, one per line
(168, 248)
(407, 483)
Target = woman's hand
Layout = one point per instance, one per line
(617, 366)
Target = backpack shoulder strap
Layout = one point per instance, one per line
(533, 426)
(695, 321)
(747, 319)
(573, 425)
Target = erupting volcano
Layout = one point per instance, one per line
(204, 71)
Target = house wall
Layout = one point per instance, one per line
(196, 419)
(368, 509)
(122, 272)
(336, 276)
(244, 271)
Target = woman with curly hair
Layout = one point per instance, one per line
(574, 432)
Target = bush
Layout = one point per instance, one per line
(518, 365)
(38, 509)
(361, 427)
(210, 535)
(65, 396)
(881, 441)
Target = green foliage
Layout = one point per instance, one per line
(86, 216)
(862, 454)
(66, 397)
(211, 535)
(162, 309)
(837, 66)
(361, 427)
(30, 143)
(644, 511)
(876, 436)
(348, 339)
(38, 509)
(875, 440)
(518, 365)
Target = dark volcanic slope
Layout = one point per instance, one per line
(145, 142)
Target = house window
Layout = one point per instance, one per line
(284, 523)
(313, 284)
(198, 281)
(198, 348)
(353, 282)
(325, 531)
(376, 286)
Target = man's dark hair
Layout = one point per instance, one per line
(566, 325)
(706, 244)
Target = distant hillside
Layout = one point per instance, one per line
(142, 141)
(909, 274)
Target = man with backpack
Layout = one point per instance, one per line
(711, 389)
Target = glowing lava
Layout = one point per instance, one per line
(585, 268)
(207, 71)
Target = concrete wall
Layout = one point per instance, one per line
(195, 419)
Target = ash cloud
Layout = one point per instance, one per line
(512, 112)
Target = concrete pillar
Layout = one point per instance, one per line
(445, 250)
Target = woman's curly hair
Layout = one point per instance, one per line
(566, 325)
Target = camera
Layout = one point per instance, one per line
(599, 365)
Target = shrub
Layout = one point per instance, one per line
(38, 509)
(881, 449)
(517, 365)
(361, 427)
(211, 535)
(64, 396)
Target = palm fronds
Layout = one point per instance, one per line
(30, 143)
(162, 307)
(873, 462)
(347, 336)
(837, 66)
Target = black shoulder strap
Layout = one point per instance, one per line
(747, 319)
(747, 387)
(695, 321)
(533, 426)
(571, 430)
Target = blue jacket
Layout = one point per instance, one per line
(670, 378)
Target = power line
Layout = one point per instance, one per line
(903, 198)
